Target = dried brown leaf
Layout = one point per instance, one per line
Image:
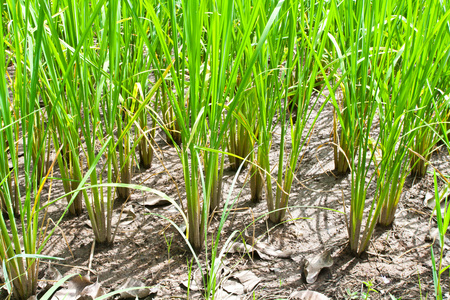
(75, 287)
(264, 250)
(248, 279)
(315, 264)
(91, 291)
(155, 201)
(233, 287)
(132, 294)
(221, 294)
(308, 295)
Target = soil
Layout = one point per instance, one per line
(148, 248)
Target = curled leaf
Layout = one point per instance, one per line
(248, 279)
(51, 276)
(308, 295)
(233, 287)
(314, 265)
(155, 201)
(221, 294)
(91, 292)
(133, 293)
(264, 250)
(73, 292)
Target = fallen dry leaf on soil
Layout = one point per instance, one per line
(263, 250)
(155, 201)
(51, 276)
(132, 294)
(248, 279)
(221, 294)
(315, 264)
(308, 295)
(233, 287)
(79, 288)
(91, 292)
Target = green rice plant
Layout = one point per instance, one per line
(49, 85)
(442, 209)
(403, 101)
(394, 89)
(307, 35)
(395, 137)
(19, 244)
(394, 142)
(267, 104)
(243, 131)
(211, 268)
(67, 121)
(243, 128)
(66, 161)
(146, 133)
(120, 46)
(61, 137)
(98, 109)
(171, 125)
(359, 44)
(77, 115)
(70, 99)
(134, 74)
(15, 107)
(241, 136)
(346, 138)
(211, 92)
(432, 37)
(443, 220)
(310, 52)
(444, 110)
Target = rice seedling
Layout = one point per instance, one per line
(395, 137)
(214, 255)
(211, 94)
(432, 37)
(87, 122)
(19, 245)
(404, 109)
(61, 136)
(443, 219)
(242, 134)
(79, 122)
(134, 77)
(299, 18)
(381, 84)
(346, 139)
(358, 46)
(310, 52)
(441, 211)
